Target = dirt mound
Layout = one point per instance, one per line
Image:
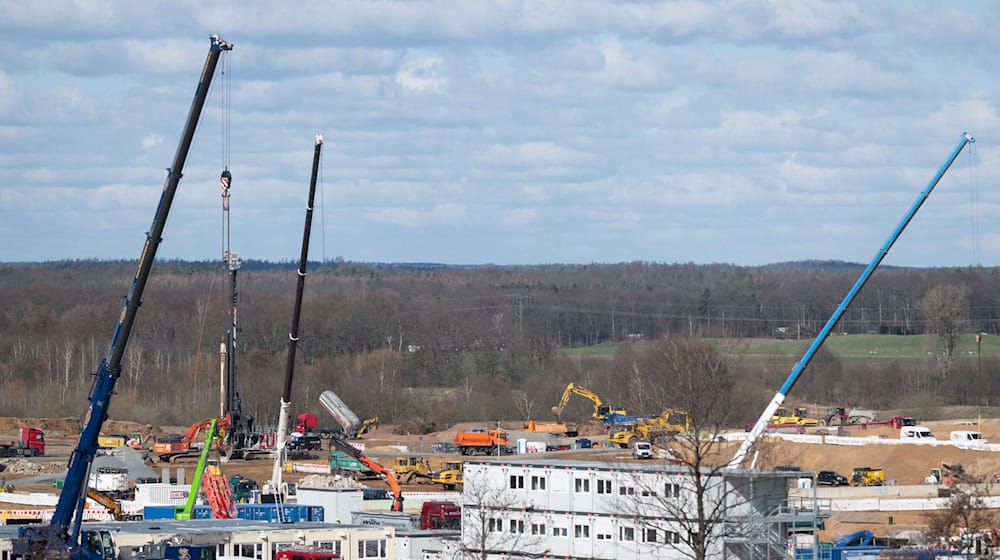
(59, 427)
(127, 427)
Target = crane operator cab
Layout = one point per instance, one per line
(100, 543)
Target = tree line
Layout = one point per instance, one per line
(432, 344)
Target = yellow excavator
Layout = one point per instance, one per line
(601, 410)
(113, 506)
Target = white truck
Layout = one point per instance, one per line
(915, 432)
(968, 436)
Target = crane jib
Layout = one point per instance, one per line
(61, 537)
(800, 366)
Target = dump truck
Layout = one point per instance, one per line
(340, 411)
(450, 476)
(569, 429)
(480, 442)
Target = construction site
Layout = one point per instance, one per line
(802, 481)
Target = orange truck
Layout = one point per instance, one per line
(569, 429)
(480, 442)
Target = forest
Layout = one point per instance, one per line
(426, 345)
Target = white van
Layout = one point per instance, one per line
(969, 436)
(915, 432)
(642, 450)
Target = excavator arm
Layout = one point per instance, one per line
(384, 473)
(389, 478)
(571, 390)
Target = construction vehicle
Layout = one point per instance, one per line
(601, 411)
(367, 425)
(440, 515)
(482, 442)
(306, 423)
(568, 429)
(867, 476)
(384, 473)
(112, 505)
(345, 464)
(174, 449)
(949, 475)
(449, 476)
(304, 442)
(212, 434)
(800, 417)
(112, 481)
(628, 435)
(779, 397)
(672, 421)
(113, 441)
(244, 490)
(61, 538)
(839, 416)
(30, 443)
(346, 417)
(413, 470)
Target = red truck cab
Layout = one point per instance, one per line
(306, 423)
(31, 443)
(440, 515)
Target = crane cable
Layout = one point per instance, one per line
(226, 102)
(974, 204)
(322, 212)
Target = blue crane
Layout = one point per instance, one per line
(779, 397)
(61, 538)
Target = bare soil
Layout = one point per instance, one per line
(908, 464)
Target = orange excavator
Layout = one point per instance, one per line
(172, 450)
(384, 473)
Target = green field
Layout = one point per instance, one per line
(848, 348)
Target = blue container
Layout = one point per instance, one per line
(202, 512)
(316, 513)
(158, 512)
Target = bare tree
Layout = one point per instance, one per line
(493, 522)
(693, 376)
(525, 405)
(966, 511)
(944, 307)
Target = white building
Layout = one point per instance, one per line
(237, 538)
(582, 509)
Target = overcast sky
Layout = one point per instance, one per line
(506, 132)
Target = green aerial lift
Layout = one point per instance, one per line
(213, 433)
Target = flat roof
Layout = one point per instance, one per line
(196, 526)
(653, 466)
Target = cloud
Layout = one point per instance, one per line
(422, 75)
(151, 140)
(437, 215)
(533, 154)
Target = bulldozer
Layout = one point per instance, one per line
(412, 470)
(867, 476)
